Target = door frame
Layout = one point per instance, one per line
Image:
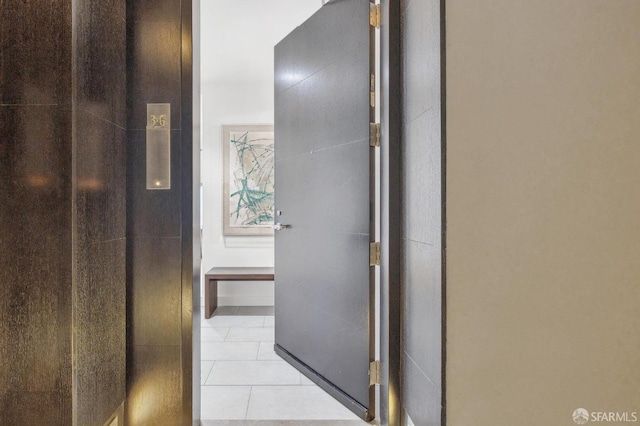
(191, 244)
(391, 229)
(390, 333)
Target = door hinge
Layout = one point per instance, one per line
(372, 90)
(374, 373)
(374, 15)
(374, 254)
(374, 134)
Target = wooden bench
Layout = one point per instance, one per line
(214, 275)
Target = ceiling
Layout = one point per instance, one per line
(238, 36)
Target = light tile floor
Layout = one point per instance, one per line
(245, 382)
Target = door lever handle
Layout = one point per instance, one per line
(280, 227)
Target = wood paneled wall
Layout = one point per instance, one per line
(35, 216)
(62, 239)
(99, 291)
(160, 317)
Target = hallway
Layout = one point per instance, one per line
(243, 379)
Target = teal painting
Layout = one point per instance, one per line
(248, 180)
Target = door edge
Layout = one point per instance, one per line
(350, 403)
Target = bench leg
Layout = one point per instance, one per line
(210, 297)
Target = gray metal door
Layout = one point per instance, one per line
(324, 297)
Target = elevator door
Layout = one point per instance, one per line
(324, 297)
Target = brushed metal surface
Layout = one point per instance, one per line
(422, 312)
(158, 146)
(423, 286)
(322, 116)
(422, 399)
(152, 214)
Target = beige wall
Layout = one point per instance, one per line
(543, 210)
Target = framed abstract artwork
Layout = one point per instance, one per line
(248, 164)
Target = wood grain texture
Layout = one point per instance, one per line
(100, 210)
(160, 296)
(240, 274)
(154, 388)
(154, 59)
(214, 275)
(100, 346)
(35, 53)
(100, 52)
(35, 217)
(154, 292)
(40, 277)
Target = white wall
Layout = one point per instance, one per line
(238, 37)
(228, 104)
